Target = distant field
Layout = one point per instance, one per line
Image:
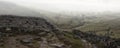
(97, 25)
(103, 27)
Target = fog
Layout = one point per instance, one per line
(70, 5)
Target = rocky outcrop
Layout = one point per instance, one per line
(98, 41)
(30, 23)
(28, 32)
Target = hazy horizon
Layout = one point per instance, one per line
(70, 5)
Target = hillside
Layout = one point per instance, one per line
(109, 27)
(32, 32)
(36, 32)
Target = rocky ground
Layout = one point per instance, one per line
(98, 41)
(32, 32)
(27, 32)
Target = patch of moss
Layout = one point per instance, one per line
(75, 43)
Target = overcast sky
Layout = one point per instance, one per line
(71, 5)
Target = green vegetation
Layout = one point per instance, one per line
(75, 43)
(110, 28)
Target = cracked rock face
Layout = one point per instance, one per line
(27, 32)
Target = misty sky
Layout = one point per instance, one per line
(71, 5)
